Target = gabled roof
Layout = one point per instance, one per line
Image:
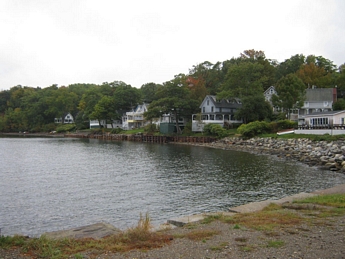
(223, 103)
(319, 94)
(269, 89)
(327, 113)
(141, 108)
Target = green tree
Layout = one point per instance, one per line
(126, 97)
(290, 93)
(339, 105)
(254, 108)
(243, 79)
(250, 74)
(173, 98)
(88, 101)
(340, 81)
(289, 66)
(148, 91)
(104, 110)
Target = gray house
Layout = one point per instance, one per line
(215, 111)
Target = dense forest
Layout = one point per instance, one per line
(25, 108)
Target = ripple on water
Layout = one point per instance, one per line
(53, 184)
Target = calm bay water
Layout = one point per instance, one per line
(49, 184)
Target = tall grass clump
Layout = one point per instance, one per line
(138, 237)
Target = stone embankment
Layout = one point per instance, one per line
(327, 155)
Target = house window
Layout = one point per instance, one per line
(306, 104)
(203, 109)
(325, 104)
(212, 109)
(208, 102)
(342, 120)
(319, 121)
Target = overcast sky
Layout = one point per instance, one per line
(45, 42)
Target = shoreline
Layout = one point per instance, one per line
(255, 146)
(102, 229)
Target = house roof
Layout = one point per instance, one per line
(319, 94)
(268, 90)
(327, 113)
(223, 103)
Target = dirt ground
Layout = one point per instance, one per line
(321, 238)
(314, 237)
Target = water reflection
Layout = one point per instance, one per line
(52, 184)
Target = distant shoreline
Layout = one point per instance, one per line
(22, 134)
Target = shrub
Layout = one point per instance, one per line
(187, 129)
(254, 128)
(281, 125)
(215, 130)
(65, 127)
(150, 128)
(49, 127)
(116, 131)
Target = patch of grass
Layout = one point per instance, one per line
(272, 233)
(236, 226)
(275, 243)
(139, 237)
(201, 234)
(196, 235)
(268, 219)
(333, 200)
(219, 247)
(241, 239)
(7, 241)
(246, 248)
(211, 218)
(332, 213)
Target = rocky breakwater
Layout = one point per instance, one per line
(327, 155)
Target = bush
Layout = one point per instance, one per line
(187, 129)
(116, 131)
(253, 129)
(281, 125)
(150, 128)
(49, 127)
(65, 127)
(215, 130)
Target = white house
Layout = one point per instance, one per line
(102, 124)
(270, 91)
(216, 111)
(317, 100)
(319, 123)
(67, 119)
(135, 118)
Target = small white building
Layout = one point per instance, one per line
(94, 124)
(319, 123)
(68, 119)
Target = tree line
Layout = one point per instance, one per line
(25, 108)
